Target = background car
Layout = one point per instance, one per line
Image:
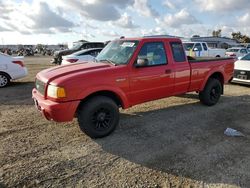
(236, 52)
(83, 55)
(11, 68)
(242, 70)
(57, 59)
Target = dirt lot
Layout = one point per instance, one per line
(175, 142)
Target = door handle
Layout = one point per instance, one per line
(168, 71)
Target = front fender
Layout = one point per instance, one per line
(117, 91)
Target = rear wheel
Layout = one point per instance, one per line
(4, 80)
(211, 93)
(98, 117)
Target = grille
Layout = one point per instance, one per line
(40, 86)
(239, 73)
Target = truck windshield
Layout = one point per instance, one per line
(188, 46)
(118, 52)
(246, 57)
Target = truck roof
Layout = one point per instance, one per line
(154, 37)
(192, 42)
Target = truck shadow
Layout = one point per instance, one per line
(17, 93)
(188, 141)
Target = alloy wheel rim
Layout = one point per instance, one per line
(3, 80)
(101, 119)
(214, 94)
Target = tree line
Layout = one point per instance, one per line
(235, 35)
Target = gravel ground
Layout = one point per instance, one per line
(174, 142)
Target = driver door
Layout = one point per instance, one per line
(153, 80)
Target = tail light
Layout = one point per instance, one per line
(232, 55)
(18, 63)
(72, 60)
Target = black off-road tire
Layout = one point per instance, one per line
(4, 80)
(211, 93)
(98, 117)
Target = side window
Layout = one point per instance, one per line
(84, 53)
(198, 46)
(83, 47)
(94, 53)
(99, 45)
(154, 53)
(204, 46)
(178, 52)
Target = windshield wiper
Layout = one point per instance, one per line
(109, 61)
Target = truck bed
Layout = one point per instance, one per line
(206, 59)
(201, 66)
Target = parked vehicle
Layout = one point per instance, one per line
(242, 70)
(127, 72)
(81, 56)
(236, 52)
(247, 45)
(80, 46)
(11, 68)
(201, 49)
(25, 52)
(8, 51)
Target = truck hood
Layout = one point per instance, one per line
(51, 74)
(242, 65)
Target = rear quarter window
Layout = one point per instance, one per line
(178, 52)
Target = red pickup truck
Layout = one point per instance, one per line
(127, 72)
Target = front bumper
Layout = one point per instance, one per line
(56, 111)
(241, 81)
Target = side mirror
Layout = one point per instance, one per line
(195, 50)
(141, 62)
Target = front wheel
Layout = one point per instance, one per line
(211, 93)
(4, 80)
(98, 117)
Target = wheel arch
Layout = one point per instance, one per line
(216, 75)
(5, 73)
(117, 98)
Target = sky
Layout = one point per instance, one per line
(63, 21)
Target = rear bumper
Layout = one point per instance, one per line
(21, 74)
(56, 111)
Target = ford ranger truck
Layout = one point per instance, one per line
(127, 72)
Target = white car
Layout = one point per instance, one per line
(201, 49)
(242, 70)
(81, 56)
(236, 52)
(11, 68)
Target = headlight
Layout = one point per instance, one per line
(56, 92)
